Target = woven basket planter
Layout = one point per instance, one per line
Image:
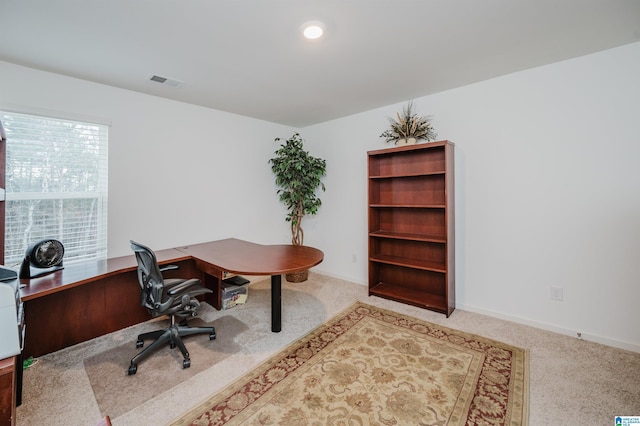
(297, 277)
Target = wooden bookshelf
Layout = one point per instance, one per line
(411, 225)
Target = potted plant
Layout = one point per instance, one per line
(298, 176)
(409, 128)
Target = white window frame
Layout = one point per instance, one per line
(73, 252)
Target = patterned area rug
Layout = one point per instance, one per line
(372, 366)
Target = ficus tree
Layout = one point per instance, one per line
(298, 177)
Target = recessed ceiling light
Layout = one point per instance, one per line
(313, 30)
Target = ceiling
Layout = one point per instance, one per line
(248, 56)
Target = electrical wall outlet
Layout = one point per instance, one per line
(557, 294)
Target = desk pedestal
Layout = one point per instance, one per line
(8, 372)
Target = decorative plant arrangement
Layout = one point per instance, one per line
(409, 128)
(298, 175)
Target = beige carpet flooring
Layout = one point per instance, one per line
(117, 393)
(571, 381)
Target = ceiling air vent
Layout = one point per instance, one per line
(166, 81)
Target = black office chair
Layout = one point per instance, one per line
(173, 297)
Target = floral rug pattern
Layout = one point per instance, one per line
(370, 366)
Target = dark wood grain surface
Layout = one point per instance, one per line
(90, 299)
(82, 273)
(243, 257)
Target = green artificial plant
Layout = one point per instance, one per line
(298, 176)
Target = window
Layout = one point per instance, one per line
(56, 186)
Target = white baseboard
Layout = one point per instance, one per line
(339, 277)
(634, 347)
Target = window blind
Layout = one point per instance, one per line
(56, 185)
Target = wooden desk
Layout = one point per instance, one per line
(87, 300)
(242, 257)
(8, 374)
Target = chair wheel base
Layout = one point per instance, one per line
(133, 368)
(186, 363)
(212, 336)
(139, 344)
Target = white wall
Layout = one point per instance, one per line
(178, 173)
(547, 193)
(547, 183)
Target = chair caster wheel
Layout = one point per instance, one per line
(186, 363)
(139, 344)
(133, 368)
(212, 336)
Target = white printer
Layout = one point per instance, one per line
(11, 319)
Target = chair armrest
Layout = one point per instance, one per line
(198, 292)
(185, 290)
(183, 287)
(169, 268)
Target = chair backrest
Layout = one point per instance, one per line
(149, 276)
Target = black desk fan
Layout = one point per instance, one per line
(45, 255)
